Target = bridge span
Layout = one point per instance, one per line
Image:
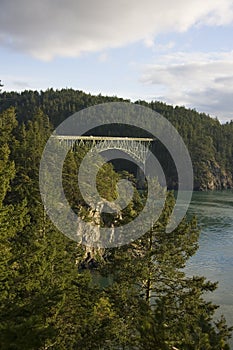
(136, 147)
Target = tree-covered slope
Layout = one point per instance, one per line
(49, 300)
(210, 144)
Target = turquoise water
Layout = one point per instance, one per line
(214, 259)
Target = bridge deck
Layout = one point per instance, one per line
(102, 138)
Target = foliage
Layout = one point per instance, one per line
(47, 301)
(210, 144)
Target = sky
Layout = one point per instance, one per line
(179, 52)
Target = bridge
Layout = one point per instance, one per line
(136, 147)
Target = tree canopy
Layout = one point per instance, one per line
(52, 297)
(210, 143)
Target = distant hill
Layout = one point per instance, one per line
(210, 144)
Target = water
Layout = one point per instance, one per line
(214, 259)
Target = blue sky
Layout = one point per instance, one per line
(178, 52)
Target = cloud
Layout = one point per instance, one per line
(200, 80)
(46, 29)
(21, 84)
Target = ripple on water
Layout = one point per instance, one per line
(214, 259)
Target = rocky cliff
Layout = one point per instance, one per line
(209, 175)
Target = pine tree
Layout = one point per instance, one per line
(47, 301)
(13, 218)
(168, 308)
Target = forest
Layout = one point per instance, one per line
(209, 142)
(57, 294)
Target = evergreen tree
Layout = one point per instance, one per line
(47, 301)
(165, 308)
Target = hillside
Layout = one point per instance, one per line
(210, 144)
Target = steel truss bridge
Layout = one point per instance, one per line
(136, 147)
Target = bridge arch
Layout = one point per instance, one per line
(136, 148)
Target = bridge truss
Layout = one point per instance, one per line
(136, 147)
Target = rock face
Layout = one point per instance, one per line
(89, 232)
(210, 176)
